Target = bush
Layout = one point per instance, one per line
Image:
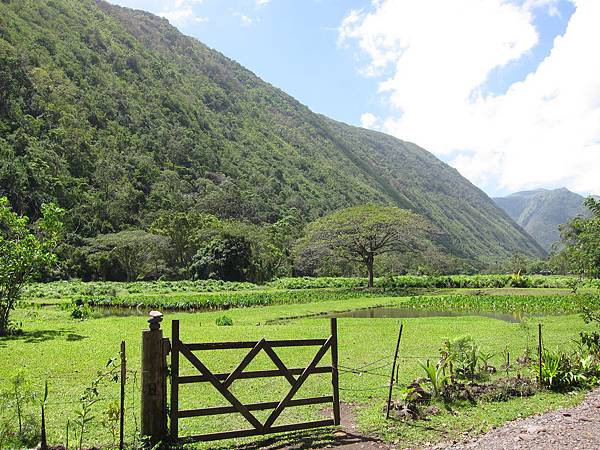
(82, 312)
(465, 359)
(580, 368)
(224, 321)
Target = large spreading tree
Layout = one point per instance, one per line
(360, 233)
(25, 250)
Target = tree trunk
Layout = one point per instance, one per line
(369, 263)
(4, 312)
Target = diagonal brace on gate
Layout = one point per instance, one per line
(247, 360)
(298, 384)
(219, 386)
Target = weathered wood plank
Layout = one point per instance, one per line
(251, 374)
(174, 424)
(251, 407)
(242, 365)
(251, 344)
(253, 432)
(279, 363)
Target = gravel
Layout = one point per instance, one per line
(573, 428)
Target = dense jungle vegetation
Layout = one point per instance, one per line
(126, 124)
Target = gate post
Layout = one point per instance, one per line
(154, 381)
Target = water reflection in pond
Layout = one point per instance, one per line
(398, 313)
(116, 311)
(120, 311)
(380, 312)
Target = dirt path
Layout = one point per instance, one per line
(347, 437)
(574, 428)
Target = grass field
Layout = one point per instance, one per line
(68, 353)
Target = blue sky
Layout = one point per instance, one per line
(291, 44)
(422, 71)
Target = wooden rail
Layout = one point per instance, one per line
(222, 381)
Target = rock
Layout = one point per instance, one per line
(526, 437)
(535, 429)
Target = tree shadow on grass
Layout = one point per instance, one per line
(32, 337)
(312, 439)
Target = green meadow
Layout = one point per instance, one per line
(69, 352)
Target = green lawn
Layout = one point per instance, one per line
(68, 353)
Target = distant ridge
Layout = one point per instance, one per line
(540, 212)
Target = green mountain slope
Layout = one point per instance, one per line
(118, 116)
(541, 211)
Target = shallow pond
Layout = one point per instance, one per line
(379, 312)
(384, 312)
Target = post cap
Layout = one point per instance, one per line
(155, 319)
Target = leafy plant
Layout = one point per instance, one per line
(562, 371)
(484, 359)
(506, 365)
(463, 356)
(83, 414)
(518, 280)
(91, 395)
(589, 342)
(110, 419)
(81, 312)
(514, 304)
(224, 321)
(14, 404)
(435, 375)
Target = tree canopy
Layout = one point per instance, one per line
(581, 239)
(360, 233)
(25, 250)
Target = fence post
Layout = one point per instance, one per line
(540, 353)
(174, 422)
(154, 381)
(389, 402)
(122, 406)
(334, 372)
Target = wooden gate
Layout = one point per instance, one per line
(221, 382)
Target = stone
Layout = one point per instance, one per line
(526, 437)
(155, 319)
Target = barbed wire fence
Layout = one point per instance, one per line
(111, 397)
(119, 385)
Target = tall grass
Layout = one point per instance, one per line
(541, 304)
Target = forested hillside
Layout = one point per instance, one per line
(541, 211)
(120, 118)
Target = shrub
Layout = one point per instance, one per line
(224, 321)
(463, 358)
(563, 371)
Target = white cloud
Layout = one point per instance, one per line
(368, 120)
(180, 12)
(244, 19)
(544, 131)
(262, 2)
(182, 16)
